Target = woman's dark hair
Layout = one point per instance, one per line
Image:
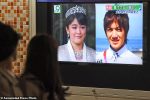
(42, 62)
(9, 39)
(122, 19)
(81, 18)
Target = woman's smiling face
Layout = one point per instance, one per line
(77, 32)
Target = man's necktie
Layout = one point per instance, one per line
(116, 55)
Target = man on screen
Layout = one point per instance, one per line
(116, 28)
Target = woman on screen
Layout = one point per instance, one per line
(116, 28)
(76, 28)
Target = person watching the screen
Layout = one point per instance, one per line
(42, 70)
(76, 28)
(9, 82)
(116, 28)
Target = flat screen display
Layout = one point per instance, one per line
(98, 32)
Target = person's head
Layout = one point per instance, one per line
(76, 24)
(116, 27)
(42, 62)
(8, 41)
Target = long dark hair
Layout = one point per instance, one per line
(42, 62)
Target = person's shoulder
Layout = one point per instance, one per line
(136, 58)
(62, 47)
(6, 78)
(133, 55)
(32, 86)
(90, 49)
(31, 79)
(2, 78)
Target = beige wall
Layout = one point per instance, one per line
(20, 14)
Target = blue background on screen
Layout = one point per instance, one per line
(135, 33)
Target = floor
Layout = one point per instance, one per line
(92, 93)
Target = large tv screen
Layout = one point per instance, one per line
(99, 32)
